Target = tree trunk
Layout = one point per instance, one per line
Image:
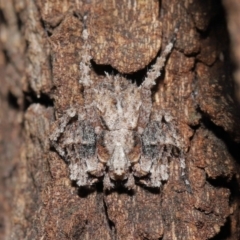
(40, 52)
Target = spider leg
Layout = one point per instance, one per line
(85, 65)
(155, 70)
(142, 168)
(130, 184)
(58, 128)
(94, 167)
(107, 184)
(88, 150)
(159, 170)
(78, 169)
(84, 170)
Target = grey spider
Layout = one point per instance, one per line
(117, 136)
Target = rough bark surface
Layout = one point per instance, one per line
(40, 53)
(232, 11)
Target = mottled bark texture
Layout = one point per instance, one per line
(40, 53)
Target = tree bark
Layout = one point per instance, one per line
(40, 53)
(233, 22)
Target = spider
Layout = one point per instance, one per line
(117, 136)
